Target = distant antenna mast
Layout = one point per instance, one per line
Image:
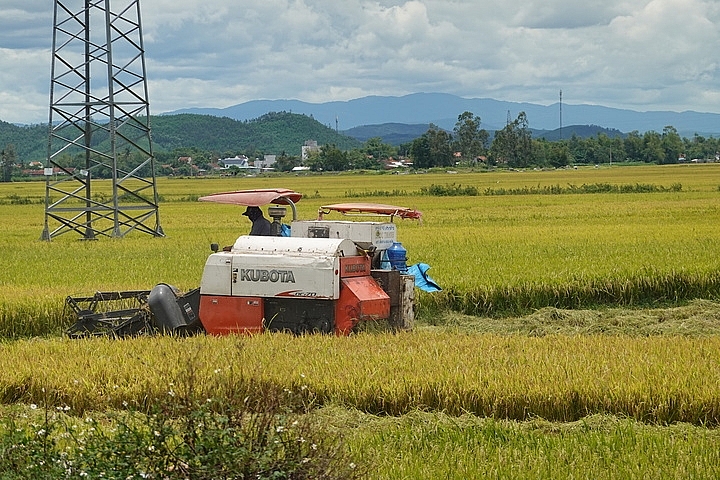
(337, 123)
(100, 118)
(561, 132)
(508, 121)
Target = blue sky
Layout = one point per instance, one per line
(635, 54)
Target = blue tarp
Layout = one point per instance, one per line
(422, 279)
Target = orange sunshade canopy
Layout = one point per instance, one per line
(372, 208)
(255, 198)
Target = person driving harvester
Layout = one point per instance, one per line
(260, 224)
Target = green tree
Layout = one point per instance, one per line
(440, 147)
(701, 147)
(592, 150)
(634, 146)
(432, 149)
(470, 139)
(420, 152)
(653, 151)
(378, 150)
(672, 144)
(609, 149)
(513, 144)
(329, 158)
(286, 163)
(576, 147)
(9, 157)
(554, 154)
(360, 160)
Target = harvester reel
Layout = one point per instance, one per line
(115, 314)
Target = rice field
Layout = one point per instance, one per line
(493, 254)
(576, 334)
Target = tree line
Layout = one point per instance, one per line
(468, 144)
(514, 147)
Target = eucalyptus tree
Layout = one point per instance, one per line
(513, 144)
(470, 140)
(8, 157)
(432, 149)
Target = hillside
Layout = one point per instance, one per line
(30, 141)
(272, 133)
(580, 131)
(392, 133)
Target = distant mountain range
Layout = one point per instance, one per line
(274, 126)
(392, 133)
(443, 110)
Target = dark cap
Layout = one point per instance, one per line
(250, 210)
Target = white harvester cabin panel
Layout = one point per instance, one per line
(380, 234)
(259, 266)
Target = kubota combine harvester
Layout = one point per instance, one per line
(328, 276)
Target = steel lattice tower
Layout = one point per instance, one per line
(99, 124)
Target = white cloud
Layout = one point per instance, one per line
(642, 54)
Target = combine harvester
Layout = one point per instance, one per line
(324, 276)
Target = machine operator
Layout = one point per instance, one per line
(260, 224)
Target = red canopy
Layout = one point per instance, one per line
(255, 198)
(371, 208)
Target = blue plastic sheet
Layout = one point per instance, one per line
(422, 279)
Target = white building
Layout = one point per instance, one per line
(240, 161)
(309, 147)
(266, 163)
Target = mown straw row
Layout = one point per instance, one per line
(520, 299)
(597, 447)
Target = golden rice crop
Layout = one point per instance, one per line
(491, 254)
(563, 378)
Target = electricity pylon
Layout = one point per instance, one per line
(100, 169)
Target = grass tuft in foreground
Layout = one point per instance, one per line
(185, 435)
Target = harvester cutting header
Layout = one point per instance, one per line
(324, 276)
